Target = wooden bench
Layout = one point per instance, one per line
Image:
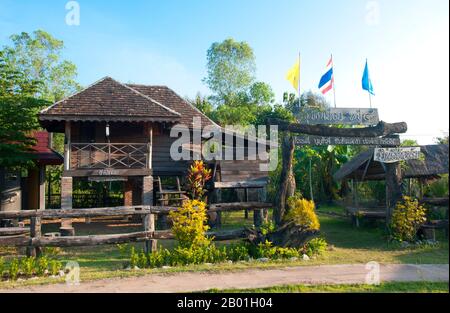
(358, 213)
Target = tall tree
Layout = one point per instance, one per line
(38, 56)
(18, 115)
(231, 68)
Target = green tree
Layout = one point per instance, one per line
(307, 99)
(38, 56)
(18, 115)
(231, 69)
(442, 140)
(409, 143)
(202, 104)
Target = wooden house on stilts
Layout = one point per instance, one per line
(121, 132)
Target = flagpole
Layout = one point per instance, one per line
(334, 86)
(370, 99)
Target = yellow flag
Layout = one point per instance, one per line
(293, 75)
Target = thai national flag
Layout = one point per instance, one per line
(327, 80)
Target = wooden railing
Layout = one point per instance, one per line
(109, 155)
(149, 234)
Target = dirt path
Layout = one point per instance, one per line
(256, 278)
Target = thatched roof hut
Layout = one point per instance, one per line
(363, 167)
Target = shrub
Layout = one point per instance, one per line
(198, 255)
(267, 227)
(197, 177)
(159, 258)
(27, 266)
(54, 267)
(267, 250)
(302, 212)
(42, 265)
(407, 217)
(142, 260)
(189, 224)
(134, 258)
(315, 246)
(14, 269)
(2, 266)
(238, 252)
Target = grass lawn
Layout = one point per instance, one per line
(413, 287)
(346, 245)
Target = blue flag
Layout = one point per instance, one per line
(366, 82)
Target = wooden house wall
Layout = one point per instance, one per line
(163, 165)
(246, 170)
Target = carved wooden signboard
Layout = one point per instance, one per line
(333, 116)
(107, 172)
(392, 155)
(334, 141)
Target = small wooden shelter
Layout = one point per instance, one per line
(28, 192)
(362, 167)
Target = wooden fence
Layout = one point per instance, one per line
(149, 235)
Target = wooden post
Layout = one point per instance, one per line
(35, 232)
(150, 245)
(67, 146)
(258, 215)
(393, 187)
(150, 147)
(219, 214)
(287, 180)
(246, 200)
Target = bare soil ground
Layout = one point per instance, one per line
(255, 278)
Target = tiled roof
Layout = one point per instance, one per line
(110, 100)
(172, 100)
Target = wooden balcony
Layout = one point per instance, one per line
(109, 156)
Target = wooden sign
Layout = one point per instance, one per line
(392, 155)
(333, 116)
(353, 141)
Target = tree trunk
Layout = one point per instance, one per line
(393, 187)
(287, 184)
(287, 235)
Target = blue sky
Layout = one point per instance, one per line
(165, 42)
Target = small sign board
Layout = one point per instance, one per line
(351, 141)
(333, 116)
(392, 155)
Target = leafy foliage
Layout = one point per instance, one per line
(18, 115)
(197, 177)
(268, 250)
(231, 68)
(407, 217)
(315, 246)
(38, 57)
(190, 224)
(28, 267)
(302, 212)
(438, 188)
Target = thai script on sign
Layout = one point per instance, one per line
(332, 116)
(391, 155)
(365, 141)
